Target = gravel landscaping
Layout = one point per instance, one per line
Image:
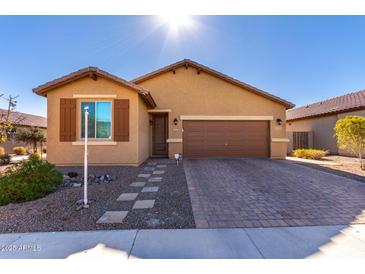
(57, 211)
(340, 165)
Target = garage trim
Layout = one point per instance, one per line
(226, 118)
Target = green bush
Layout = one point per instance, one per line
(37, 155)
(28, 180)
(20, 150)
(2, 151)
(315, 154)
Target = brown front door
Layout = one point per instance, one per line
(226, 139)
(159, 135)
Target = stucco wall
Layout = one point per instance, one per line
(322, 129)
(188, 93)
(65, 153)
(144, 132)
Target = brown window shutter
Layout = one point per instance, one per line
(67, 120)
(121, 120)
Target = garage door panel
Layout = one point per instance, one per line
(226, 138)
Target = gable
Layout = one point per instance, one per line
(187, 91)
(95, 74)
(200, 69)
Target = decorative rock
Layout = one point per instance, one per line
(153, 222)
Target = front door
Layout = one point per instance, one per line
(159, 135)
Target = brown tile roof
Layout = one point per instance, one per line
(200, 67)
(93, 72)
(340, 104)
(24, 119)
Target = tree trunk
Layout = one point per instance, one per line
(362, 166)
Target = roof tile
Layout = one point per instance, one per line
(347, 102)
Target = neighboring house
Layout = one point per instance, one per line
(184, 108)
(312, 126)
(22, 121)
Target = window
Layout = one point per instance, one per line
(99, 124)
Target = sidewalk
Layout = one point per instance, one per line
(250, 243)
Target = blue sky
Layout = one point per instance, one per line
(300, 58)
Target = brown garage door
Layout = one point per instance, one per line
(226, 139)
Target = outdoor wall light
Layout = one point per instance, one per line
(279, 121)
(176, 121)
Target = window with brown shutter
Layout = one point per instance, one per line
(67, 120)
(121, 120)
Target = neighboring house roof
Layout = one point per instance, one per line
(345, 103)
(200, 67)
(93, 72)
(24, 119)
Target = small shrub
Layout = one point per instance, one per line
(28, 180)
(44, 150)
(20, 150)
(2, 151)
(36, 155)
(72, 174)
(315, 154)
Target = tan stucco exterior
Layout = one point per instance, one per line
(322, 130)
(122, 153)
(184, 93)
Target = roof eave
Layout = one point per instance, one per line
(42, 90)
(326, 114)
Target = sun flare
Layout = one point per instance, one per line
(176, 21)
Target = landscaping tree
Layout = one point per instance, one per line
(32, 136)
(8, 118)
(350, 135)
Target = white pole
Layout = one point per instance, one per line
(85, 155)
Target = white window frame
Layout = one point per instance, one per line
(111, 120)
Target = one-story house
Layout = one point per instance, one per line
(312, 126)
(184, 108)
(21, 121)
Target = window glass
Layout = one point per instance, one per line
(91, 122)
(103, 119)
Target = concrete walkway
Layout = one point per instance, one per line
(283, 242)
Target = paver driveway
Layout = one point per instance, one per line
(265, 193)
